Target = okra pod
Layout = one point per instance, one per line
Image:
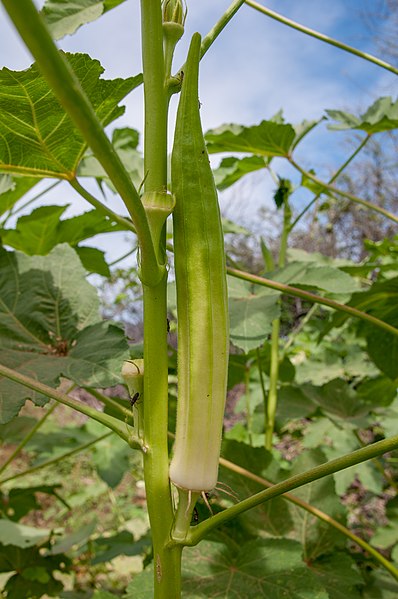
(202, 308)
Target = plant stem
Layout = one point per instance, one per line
(28, 437)
(312, 297)
(332, 179)
(109, 402)
(318, 514)
(276, 325)
(112, 423)
(60, 458)
(299, 328)
(120, 220)
(66, 87)
(356, 457)
(215, 31)
(321, 36)
(167, 560)
(344, 194)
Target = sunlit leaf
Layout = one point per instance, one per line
(382, 115)
(37, 138)
(64, 17)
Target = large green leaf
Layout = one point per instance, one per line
(382, 115)
(64, 17)
(260, 568)
(266, 139)
(50, 327)
(37, 138)
(12, 533)
(251, 312)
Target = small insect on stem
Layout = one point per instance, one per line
(134, 399)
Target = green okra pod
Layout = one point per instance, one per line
(202, 308)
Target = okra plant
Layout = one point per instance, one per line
(181, 466)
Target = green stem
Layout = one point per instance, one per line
(276, 325)
(112, 423)
(299, 327)
(182, 522)
(248, 406)
(344, 194)
(156, 462)
(356, 457)
(167, 560)
(312, 297)
(109, 402)
(27, 437)
(126, 255)
(66, 87)
(213, 34)
(332, 179)
(318, 514)
(321, 36)
(60, 458)
(116, 218)
(273, 385)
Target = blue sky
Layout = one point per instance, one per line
(254, 69)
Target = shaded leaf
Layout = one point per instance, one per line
(64, 17)
(380, 586)
(76, 538)
(261, 568)
(122, 543)
(20, 501)
(340, 576)
(19, 535)
(37, 138)
(317, 537)
(382, 115)
(232, 169)
(50, 326)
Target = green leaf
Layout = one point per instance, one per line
(338, 399)
(309, 275)
(251, 312)
(13, 189)
(12, 533)
(76, 538)
(387, 536)
(141, 587)
(232, 169)
(31, 569)
(37, 138)
(317, 537)
(382, 115)
(111, 459)
(273, 517)
(125, 143)
(381, 300)
(380, 586)
(339, 575)
(266, 139)
(35, 233)
(93, 260)
(122, 543)
(20, 501)
(50, 327)
(260, 568)
(64, 17)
